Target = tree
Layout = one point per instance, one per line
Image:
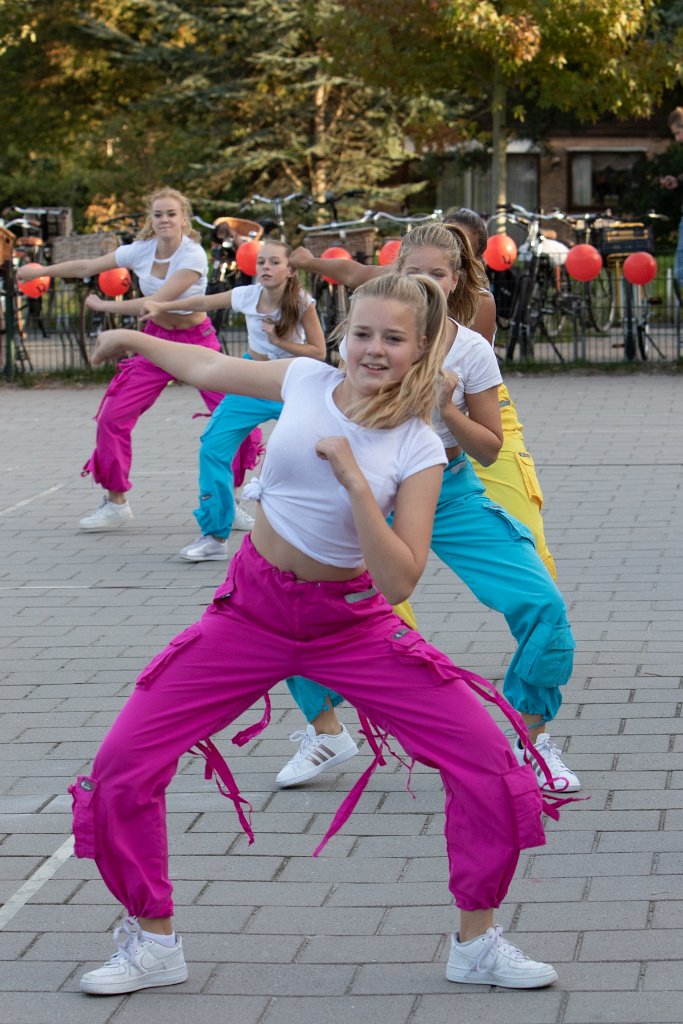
(590, 58)
(110, 99)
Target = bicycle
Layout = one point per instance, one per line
(332, 299)
(615, 243)
(534, 304)
(227, 234)
(19, 312)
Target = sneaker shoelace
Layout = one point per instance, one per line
(495, 943)
(127, 941)
(307, 743)
(551, 755)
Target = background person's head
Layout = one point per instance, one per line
(675, 122)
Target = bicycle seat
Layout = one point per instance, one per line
(244, 230)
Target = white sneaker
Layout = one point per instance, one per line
(243, 520)
(564, 779)
(109, 516)
(315, 755)
(491, 960)
(138, 963)
(205, 549)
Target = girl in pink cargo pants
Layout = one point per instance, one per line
(315, 577)
(169, 264)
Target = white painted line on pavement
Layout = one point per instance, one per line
(27, 501)
(37, 880)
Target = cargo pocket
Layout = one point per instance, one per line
(83, 793)
(526, 806)
(157, 664)
(411, 646)
(528, 471)
(548, 655)
(517, 530)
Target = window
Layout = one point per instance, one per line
(599, 177)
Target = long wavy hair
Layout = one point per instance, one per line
(415, 393)
(147, 229)
(464, 299)
(291, 307)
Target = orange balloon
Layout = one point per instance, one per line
(389, 252)
(246, 256)
(35, 288)
(583, 262)
(640, 268)
(114, 282)
(500, 252)
(335, 252)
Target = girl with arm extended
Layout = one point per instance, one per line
(281, 322)
(478, 538)
(308, 591)
(172, 266)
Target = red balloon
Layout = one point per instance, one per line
(389, 252)
(114, 282)
(35, 288)
(640, 268)
(500, 252)
(335, 252)
(583, 262)
(246, 256)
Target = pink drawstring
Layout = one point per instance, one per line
(215, 765)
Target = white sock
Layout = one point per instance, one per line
(163, 940)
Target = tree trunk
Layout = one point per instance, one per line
(499, 145)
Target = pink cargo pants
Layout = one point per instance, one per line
(133, 390)
(262, 626)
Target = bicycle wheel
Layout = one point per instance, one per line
(221, 319)
(628, 320)
(503, 289)
(328, 313)
(91, 323)
(601, 301)
(642, 319)
(547, 310)
(520, 331)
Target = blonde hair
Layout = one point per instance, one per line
(415, 393)
(147, 230)
(464, 299)
(675, 118)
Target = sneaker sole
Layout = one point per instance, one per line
(105, 528)
(470, 977)
(174, 977)
(317, 770)
(204, 558)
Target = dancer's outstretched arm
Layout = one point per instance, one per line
(202, 367)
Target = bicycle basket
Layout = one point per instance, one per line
(57, 220)
(622, 239)
(244, 229)
(83, 247)
(360, 242)
(6, 245)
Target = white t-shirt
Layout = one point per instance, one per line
(473, 359)
(140, 256)
(299, 493)
(245, 299)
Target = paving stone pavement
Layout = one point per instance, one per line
(272, 935)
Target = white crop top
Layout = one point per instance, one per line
(140, 256)
(299, 493)
(473, 359)
(245, 299)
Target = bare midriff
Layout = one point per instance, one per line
(284, 556)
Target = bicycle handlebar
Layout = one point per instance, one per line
(336, 225)
(420, 218)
